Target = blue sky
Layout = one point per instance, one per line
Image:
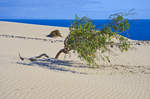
(66, 9)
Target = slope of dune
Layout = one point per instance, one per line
(126, 77)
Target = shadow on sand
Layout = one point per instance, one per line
(56, 65)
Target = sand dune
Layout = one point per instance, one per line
(126, 77)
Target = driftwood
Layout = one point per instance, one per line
(64, 50)
(34, 58)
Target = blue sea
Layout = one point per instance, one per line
(139, 29)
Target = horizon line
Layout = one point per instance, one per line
(66, 19)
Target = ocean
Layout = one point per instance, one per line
(139, 28)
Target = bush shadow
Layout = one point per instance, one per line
(55, 64)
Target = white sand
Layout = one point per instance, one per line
(126, 77)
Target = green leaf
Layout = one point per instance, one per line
(128, 25)
(126, 21)
(115, 28)
(119, 18)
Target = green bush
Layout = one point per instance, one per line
(86, 40)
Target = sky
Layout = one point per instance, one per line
(66, 9)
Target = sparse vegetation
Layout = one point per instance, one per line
(86, 40)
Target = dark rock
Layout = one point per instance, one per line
(138, 43)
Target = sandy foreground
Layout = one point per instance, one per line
(126, 77)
